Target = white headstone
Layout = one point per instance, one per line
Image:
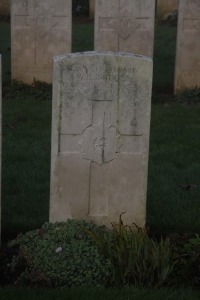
(40, 30)
(187, 71)
(126, 25)
(100, 137)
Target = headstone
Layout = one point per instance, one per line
(126, 26)
(91, 13)
(0, 137)
(187, 73)
(100, 137)
(40, 30)
(166, 8)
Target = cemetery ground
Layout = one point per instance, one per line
(173, 204)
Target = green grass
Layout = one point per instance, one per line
(26, 159)
(174, 160)
(91, 294)
(174, 146)
(83, 37)
(164, 59)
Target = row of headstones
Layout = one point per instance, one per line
(100, 134)
(164, 8)
(42, 29)
(101, 111)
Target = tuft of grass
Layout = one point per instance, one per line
(136, 259)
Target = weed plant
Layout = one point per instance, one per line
(136, 259)
(186, 254)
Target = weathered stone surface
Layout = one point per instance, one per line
(91, 13)
(126, 25)
(40, 30)
(100, 137)
(166, 8)
(5, 8)
(187, 73)
(0, 136)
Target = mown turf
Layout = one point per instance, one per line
(174, 147)
(174, 163)
(25, 158)
(82, 37)
(164, 59)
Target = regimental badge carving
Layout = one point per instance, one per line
(124, 23)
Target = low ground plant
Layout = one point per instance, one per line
(59, 254)
(76, 253)
(186, 254)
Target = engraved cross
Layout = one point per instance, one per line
(191, 24)
(124, 23)
(40, 22)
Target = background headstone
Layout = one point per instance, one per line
(100, 137)
(166, 8)
(187, 70)
(40, 30)
(126, 25)
(0, 136)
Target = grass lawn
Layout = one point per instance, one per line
(25, 159)
(164, 59)
(174, 145)
(174, 165)
(173, 182)
(91, 294)
(174, 161)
